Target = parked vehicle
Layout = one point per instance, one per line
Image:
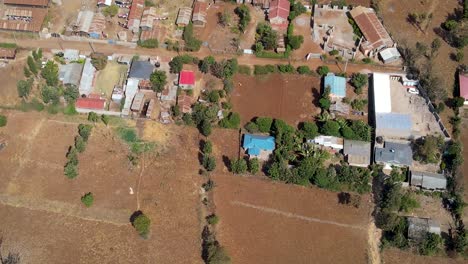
(413, 91)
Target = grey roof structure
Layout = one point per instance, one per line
(358, 152)
(141, 70)
(428, 180)
(419, 227)
(393, 153)
(87, 78)
(71, 73)
(393, 125)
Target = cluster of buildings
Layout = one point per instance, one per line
(197, 14)
(23, 15)
(333, 31)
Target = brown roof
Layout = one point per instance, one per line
(371, 27)
(185, 103)
(38, 16)
(27, 2)
(7, 53)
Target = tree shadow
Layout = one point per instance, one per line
(316, 96)
(227, 162)
(135, 215)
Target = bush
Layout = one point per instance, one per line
(264, 124)
(149, 43)
(254, 165)
(24, 87)
(303, 70)
(288, 68)
(93, 117)
(333, 52)
(105, 119)
(87, 199)
(212, 219)
(330, 128)
(158, 80)
(205, 128)
(207, 147)
(260, 70)
(366, 60)
(142, 224)
(209, 162)
(213, 96)
(3, 120)
(238, 166)
(80, 144)
(99, 61)
(358, 80)
(323, 70)
(431, 244)
(251, 127)
(245, 69)
(309, 130)
(127, 134)
(84, 131)
(232, 121)
(71, 170)
(408, 203)
(111, 10)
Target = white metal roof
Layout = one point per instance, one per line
(130, 91)
(389, 53)
(382, 95)
(87, 77)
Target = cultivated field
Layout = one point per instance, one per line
(288, 97)
(395, 256)
(271, 222)
(44, 220)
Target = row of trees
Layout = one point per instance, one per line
(71, 167)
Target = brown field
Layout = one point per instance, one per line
(288, 97)
(44, 220)
(350, 2)
(395, 256)
(9, 76)
(271, 222)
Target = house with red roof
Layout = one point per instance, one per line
(199, 13)
(186, 80)
(135, 14)
(88, 104)
(278, 14)
(463, 78)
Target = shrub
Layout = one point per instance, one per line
(333, 53)
(309, 130)
(431, 244)
(366, 60)
(323, 70)
(3, 120)
(244, 69)
(213, 96)
(207, 147)
(238, 166)
(158, 80)
(330, 128)
(325, 103)
(87, 199)
(93, 117)
(232, 121)
(209, 162)
(264, 124)
(70, 109)
(251, 127)
(358, 80)
(127, 134)
(70, 170)
(99, 61)
(111, 10)
(212, 219)
(80, 144)
(149, 43)
(228, 85)
(254, 165)
(288, 68)
(304, 70)
(142, 224)
(105, 119)
(205, 128)
(408, 203)
(260, 70)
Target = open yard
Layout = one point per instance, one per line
(395, 256)
(288, 97)
(113, 74)
(270, 222)
(44, 220)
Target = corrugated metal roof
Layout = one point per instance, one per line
(71, 73)
(141, 70)
(382, 95)
(337, 85)
(27, 2)
(87, 78)
(138, 102)
(419, 227)
(428, 180)
(371, 27)
(389, 53)
(84, 20)
(329, 141)
(393, 125)
(394, 154)
(33, 25)
(357, 152)
(183, 18)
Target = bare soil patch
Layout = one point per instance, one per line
(395, 256)
(283, 96)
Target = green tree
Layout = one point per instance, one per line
(50, 95)
(330, 128)
(206, 128)
(213, 96)
(191, 43)
(148, 43)
(450, 24)
(266, 36)
(251, 127)
(254, 165)
(323, 70)
(309, 130)
(84, 131)
(295, 41)
(359, 80)
(209, 162)
(71, 170)
(27, 73)
(264, 124)
(428, 149)
(238, 166)
(459, 55)
(244, 16)
(408, 203)
(105, 119)
(24, 87)
(50, 73)
(80, 144)
(93, 117)
(99, 61)
(111, 11)
(212, 219)
(87, 199)
(32, 65)
(158, 80)
(303, 70)
(3, 120)
(458, 101)
(206, 63)
(435, 46)
(207, 147)
(142, 224)
(71, 93)
(431, 244)
(232, 121)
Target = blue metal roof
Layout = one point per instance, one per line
(255, 143)
(401, 122)
(337, 85)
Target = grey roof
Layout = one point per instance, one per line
(394, 154)
(393, 125)
(87, 77)
(141, 70)
(357, 152)
(428, 180)
(419, 227)
(71, 73)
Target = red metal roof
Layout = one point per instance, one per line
(279, 8)
(91, 103)
(136, 11)
(371, 27)
(187, 78)
(200, 7)
(27, 2)
(463, 86)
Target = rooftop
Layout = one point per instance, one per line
(30, 25)
(419, 227)
(393, 125)
(254, 144)
(382, 98)
(394, 154)
(463, 86)
(279, 8)
(71, 73)
(357, 151)
(7, 53)
(91, 103)
(141, 70)
(428, 180)
(337, 85)
(186, 78)
(371, 27)
(87, 78)
(27, 2)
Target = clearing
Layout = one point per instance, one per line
(290, 97)
(113, 74)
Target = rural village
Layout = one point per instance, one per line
(244, 131)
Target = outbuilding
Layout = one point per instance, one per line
(357, 153)
(463, 79)
(186, 80)
(428, 180)
(389, 55)
(258, 146)
(335, 143)
(393, 125)
(419, 227)
(337, 85)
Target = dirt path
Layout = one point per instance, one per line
(297, 216)
(103, 215)
(374, 235)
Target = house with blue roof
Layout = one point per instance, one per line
(258, 146)
(337, 86)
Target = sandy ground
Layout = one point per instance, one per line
(113, 74)
(288, 97)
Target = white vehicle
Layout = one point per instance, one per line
(413, 91)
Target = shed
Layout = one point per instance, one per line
(394, 154)
(131, 89)
(138, 102)
(185, 103)
(87, 78)
(83, 21)
(258, 145)
(71, 73)
(419, 227)
(199, 13)
(393, 125)
(102, 3)
(337, 85)
(183, 18)
(382, 95)
(91, 103)
(428, 180)
(150, 109)
(141, 70)
(127, 60)
(358, 153)
(186, 79)
(8, 53)
(389, 55)
(328, 141)
(463, 79)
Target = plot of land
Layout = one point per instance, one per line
(395, 256)
(268, 222)
(44, 220)
(288, 97)
(113, 74)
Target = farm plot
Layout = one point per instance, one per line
(268, 222)
(395, 256)
(40, 208)
(288, 97)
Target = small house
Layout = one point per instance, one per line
(463, 79)
(134, 16)
(357, 153)
(337, 85)
(419, 227)
(394, 154)
(258, 146)
(428, 181)
(335, 143)
(87, 78)
(131, 89)
(70, 73)
(141, 70)
(138, 102)
(199, 13)
(104, 3)
(7, 53)
(183, 18)
(186, 80)
(117, 94)
(88, 104)
(151, 106)
(148, 18)
(278, 14)
(389, 55)
(169, 94)
(185, 103)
